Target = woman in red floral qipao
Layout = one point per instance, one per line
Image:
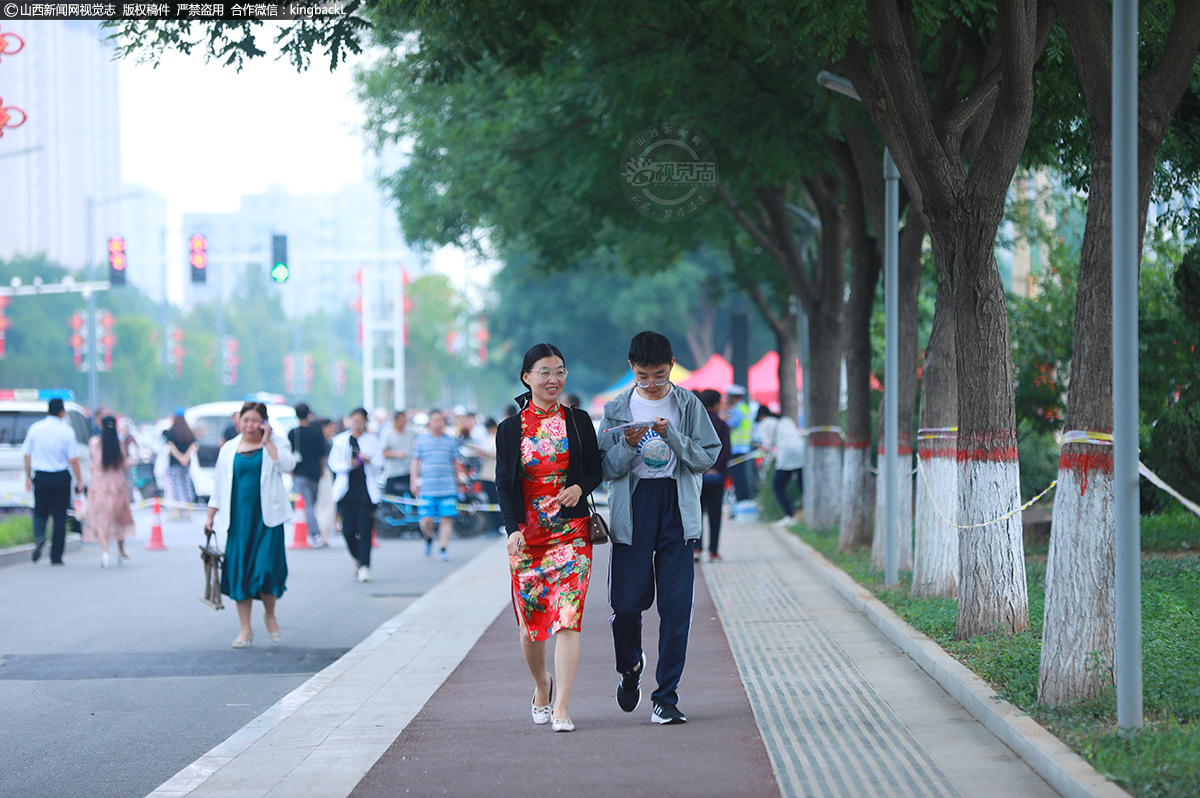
(547, 462)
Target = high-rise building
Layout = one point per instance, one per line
(68, 150)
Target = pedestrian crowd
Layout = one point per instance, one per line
(668, 455)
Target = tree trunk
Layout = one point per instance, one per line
(857, 483)
(1079, 630)
(935, 560)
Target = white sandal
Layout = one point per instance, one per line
(541, 715)
(562, 724)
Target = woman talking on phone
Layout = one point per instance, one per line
(250, 505)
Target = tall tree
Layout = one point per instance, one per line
(1080, 605)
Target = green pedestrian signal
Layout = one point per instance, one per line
(279, 264)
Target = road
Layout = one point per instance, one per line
(113, 680)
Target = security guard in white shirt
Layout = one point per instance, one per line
(50, 447)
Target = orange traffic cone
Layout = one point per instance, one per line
(374, 539)
(300, 535)
(156, 542)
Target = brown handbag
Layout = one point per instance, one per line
(596, 523)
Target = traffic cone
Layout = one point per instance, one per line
(156, 542)
(374, 539)
(300, 535)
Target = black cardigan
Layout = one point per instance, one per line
(585, 471)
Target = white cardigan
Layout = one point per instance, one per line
(339, 464)
(276, 503)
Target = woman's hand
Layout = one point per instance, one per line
(208, 522)
(266, 433)
(569, 496)
(516, 542)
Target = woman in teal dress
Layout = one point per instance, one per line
(250, 504)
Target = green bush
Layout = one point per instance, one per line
(1174, 452)
(15, 530)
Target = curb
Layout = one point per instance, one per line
(22, 553)
(1064, 770)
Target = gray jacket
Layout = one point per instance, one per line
(695, 444)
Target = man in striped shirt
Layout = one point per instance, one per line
(435, 467)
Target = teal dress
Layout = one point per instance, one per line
(254, 553)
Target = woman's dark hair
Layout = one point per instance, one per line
(763, 412)
(111, 457)
(182, 434)
(649, 348)
(709, 398)
(359, 411)
(257, 407)
(536, 353)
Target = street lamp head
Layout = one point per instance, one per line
(68, 281)
(838, 83)
(15, 282)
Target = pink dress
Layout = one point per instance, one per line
(108, 515)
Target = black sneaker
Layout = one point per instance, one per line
(37, 549)
(629, 689)
(668, 714)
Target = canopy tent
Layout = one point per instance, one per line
(764, 380)
(678, 373)
(716, 373)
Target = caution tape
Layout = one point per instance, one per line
(1157, 480)
(1005, 517)
(838, 430)
(462, 506)
(937, 433)
(1087, 436)
(741, 458)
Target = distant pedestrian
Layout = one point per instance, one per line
(108, 515)
(250, 504)
(654, 471)
(311, 451)
(741, 434)
(354, 459)
(789, 465)
(397, 442)
(485, 450)
(712, 483)
(547, 464)
(50, 449)
(435, 470)
(326, 508)
(181, 448)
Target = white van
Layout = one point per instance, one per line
(20, 409)
(209, 422)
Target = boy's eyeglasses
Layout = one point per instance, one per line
(648, 383)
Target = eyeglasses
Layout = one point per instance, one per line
(546, 374)
(648, 383)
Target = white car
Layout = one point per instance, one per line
(209, 422)
(19, 410)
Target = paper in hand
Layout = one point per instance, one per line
(631, 425)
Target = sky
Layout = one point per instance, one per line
(202, 135)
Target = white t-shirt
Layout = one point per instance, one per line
(654, 459)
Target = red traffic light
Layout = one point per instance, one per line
(198, 246)
(116, 253)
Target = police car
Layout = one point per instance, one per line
(20, 409)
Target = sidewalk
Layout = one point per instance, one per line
(789, 690)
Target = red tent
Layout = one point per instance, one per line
(716, 373)
(764, 379)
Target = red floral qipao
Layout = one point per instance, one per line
(550, 572)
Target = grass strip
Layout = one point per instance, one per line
(1163, 761)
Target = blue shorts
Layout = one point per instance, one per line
(438, 507)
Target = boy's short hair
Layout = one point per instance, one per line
(649, 348)
(302, 411)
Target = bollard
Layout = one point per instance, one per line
(300, 535)
(156, 539)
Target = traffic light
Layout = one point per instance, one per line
(198, 258)
(116, 260)
(279, 264)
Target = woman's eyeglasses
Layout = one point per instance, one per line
(546, 374)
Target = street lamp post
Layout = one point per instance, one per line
(891, 305)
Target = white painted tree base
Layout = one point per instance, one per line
(822, 512)
(904, 517)
(992, 595)
(935, 556)
(1079, 633)
(858, 490)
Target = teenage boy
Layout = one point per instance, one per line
(654, 467)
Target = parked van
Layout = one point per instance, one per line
(20, 409)
(209, 422)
